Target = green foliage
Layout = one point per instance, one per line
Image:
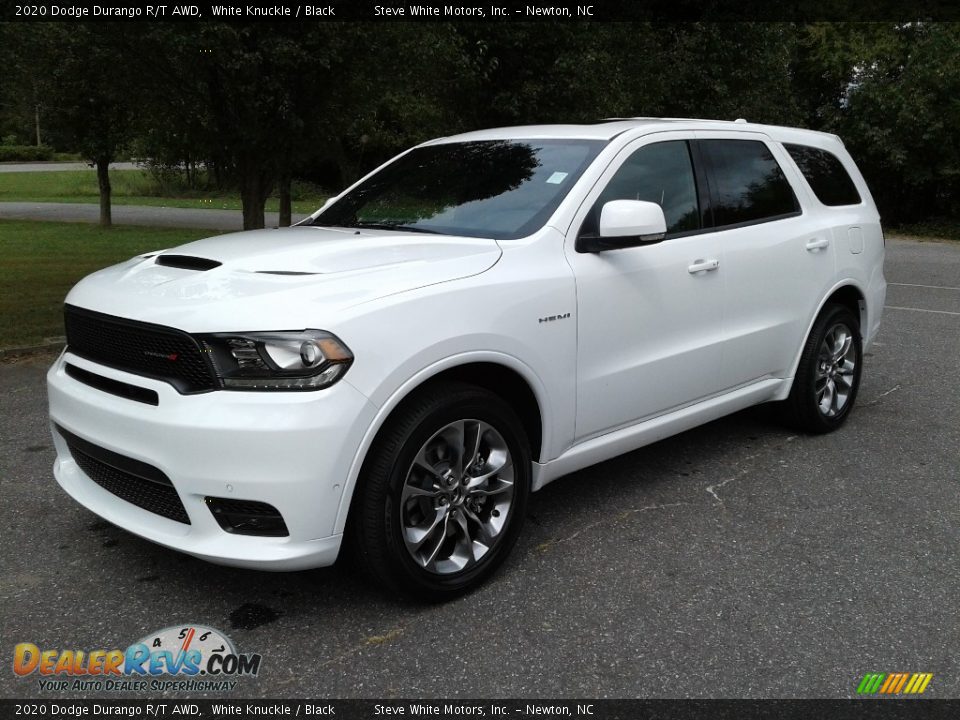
(892, 92)
(25, 153)
(88, 93)
(256, 104)
(535, 73)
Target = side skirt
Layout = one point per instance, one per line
(650, 431)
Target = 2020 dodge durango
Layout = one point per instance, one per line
(473, 319)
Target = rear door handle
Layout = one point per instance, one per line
(703, 266)
(817, 244)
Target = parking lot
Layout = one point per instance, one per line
(735, 560)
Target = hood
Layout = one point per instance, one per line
(253, 280)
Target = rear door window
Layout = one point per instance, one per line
(746, 183)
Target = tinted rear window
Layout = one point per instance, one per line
(747, 184)
(828, 178)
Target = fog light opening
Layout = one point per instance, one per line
(247, 517)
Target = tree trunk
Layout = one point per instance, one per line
(37, 118)
(285, 204)
(103, 180)
(349, 172)
(254, 188)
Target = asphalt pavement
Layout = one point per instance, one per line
(144, 215)
(735, 560)
(53, 166)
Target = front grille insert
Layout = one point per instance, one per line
(141, 348)
(114, 387)
(131, 480)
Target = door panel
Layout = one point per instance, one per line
(649, 318)
(649, 331)
(772, 288)
(775, 270)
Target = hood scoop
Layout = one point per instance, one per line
(186, 262)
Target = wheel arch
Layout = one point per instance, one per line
(849, 296)
(846, 293)
(501, 374)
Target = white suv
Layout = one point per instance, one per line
(475, 318)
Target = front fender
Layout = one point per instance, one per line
(392, 399)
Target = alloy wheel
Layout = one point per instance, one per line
(457, 497)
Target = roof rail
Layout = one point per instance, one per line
(677, 119)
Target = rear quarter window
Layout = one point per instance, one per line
(826, 175)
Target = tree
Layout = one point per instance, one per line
(260, 102)
(22, 85)
(91, 94)
(892, 92)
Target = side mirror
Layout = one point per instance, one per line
(626, 223)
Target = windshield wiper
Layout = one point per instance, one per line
(391, 226)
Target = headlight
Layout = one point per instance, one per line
(285, 360)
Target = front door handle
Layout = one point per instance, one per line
(817, 244)
(703, 266)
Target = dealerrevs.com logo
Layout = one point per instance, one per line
(177, 658)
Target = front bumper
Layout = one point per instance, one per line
(291, 450)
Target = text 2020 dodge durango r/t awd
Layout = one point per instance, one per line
(478, 316)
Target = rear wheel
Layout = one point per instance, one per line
(828, 377)
(443, 493)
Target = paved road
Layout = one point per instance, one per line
(224, 220)
(58, 166)
(738, 559)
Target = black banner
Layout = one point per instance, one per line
(461, 709)
(497, 11)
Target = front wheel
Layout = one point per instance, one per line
(828, 377)
(443, 494)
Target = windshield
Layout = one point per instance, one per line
(503, 189)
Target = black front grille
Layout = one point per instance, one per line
(136, 482)
(140, 348)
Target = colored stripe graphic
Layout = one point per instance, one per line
(864, 684)
(897, 684)
(871, 683)
(894, 683)
(890, 682)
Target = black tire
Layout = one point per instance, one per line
(811, 407)
(382, 520)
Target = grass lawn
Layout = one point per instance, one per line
(43, 260)
(130, 187)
